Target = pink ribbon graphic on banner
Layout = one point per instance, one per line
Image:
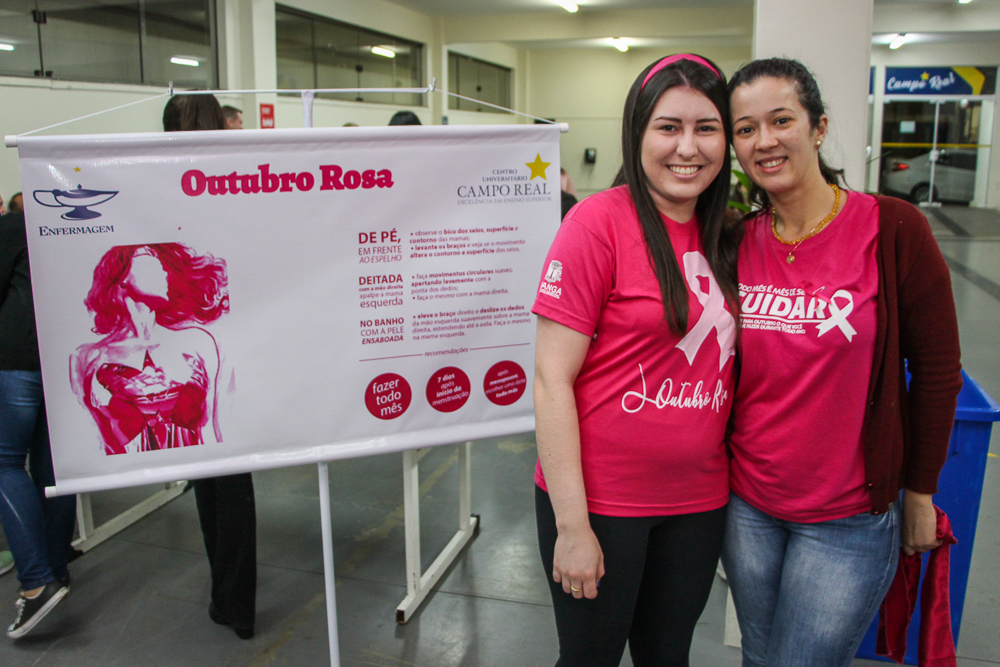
(838, 315)
(715, 316)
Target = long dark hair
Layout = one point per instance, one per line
(719, 236)
(197, 288)
(806, 89)
(187, 113)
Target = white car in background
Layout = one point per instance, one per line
(954, 176)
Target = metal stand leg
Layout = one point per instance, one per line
(411, 520)
(90, 537)
(84, 516)
(464, 485)
(419, 585)
(331, 586)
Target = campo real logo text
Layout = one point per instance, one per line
(509, 185)
(194, 182)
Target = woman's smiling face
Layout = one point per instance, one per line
(772, 136)
(683, 149)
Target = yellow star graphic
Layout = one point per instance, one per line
(537, 167)
(925, 76)
(76, 169)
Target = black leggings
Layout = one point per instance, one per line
(228, 514)
(658, 575)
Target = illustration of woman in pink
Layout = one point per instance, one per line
(150, 383)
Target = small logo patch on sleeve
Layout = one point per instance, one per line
(554, 274)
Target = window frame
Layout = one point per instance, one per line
(418, 53)
(142, 48)
(453, 84)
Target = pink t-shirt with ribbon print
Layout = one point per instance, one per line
(807, 342)
(652, 405)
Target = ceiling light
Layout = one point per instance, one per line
(964, 2)
(898, 41)
(383, 51)
(570, 7)
(6, 47)
(619, 44)
(190, 62)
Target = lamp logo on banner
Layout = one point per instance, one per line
(354, 292)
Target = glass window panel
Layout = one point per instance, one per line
(408, 62)
(503, 89)
(453, 67)
(489, 85)
(18, 31)
(179, 29)
(336, 53)
(908, 135)
(468, 81)
(377, 71)
(294, 42)
(479, 80)
(92, 40)
(315, 52)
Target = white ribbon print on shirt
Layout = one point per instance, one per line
(714, 316)
(838, 316)
(790, 309)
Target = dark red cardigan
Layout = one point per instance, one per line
(906, 433)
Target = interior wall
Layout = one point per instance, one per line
(832, 39)
(587, 88)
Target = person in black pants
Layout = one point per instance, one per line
(634, 362)
(229, 525)
(226, 505)
(659, 576)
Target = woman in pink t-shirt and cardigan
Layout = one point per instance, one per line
(633, 380)
(838, 289)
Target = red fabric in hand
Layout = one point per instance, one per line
(936, 647)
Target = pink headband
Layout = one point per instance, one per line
(670, 60)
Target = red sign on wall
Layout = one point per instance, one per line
(266, 116)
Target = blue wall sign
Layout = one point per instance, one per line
(959, 81)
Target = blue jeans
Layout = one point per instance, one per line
(805, 593)
(39, 529)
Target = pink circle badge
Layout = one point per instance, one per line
(388, 396)
(448, 389)
(505, 382)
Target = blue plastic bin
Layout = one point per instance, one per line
(959, 491)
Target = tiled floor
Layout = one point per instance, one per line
(141, 598)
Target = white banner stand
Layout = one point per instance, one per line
(331, 584)
(419, 584)
(90, 537)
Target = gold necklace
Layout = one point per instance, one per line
(816, 230)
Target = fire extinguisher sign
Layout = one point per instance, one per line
(266, 116)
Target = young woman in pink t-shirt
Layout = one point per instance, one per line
(633, 380)
(838, 289)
